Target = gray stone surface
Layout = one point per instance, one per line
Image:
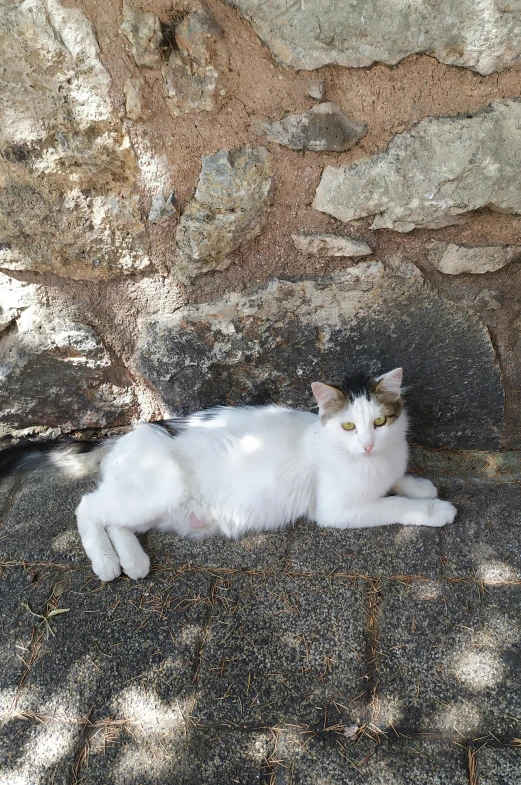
(326, 244)
(271, 344)
(56, 372)
(433, 174)
(455, 259)
(335, 760)
(69, 200)
(324, 127)
(227, 209)
(385, 550)
(282, 650)
(320, 32)
(499, 766)
(448, 659)
(484, 539)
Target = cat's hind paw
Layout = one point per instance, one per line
(107, 567)
(138, 567)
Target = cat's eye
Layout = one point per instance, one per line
(380, 421)
(348, 426)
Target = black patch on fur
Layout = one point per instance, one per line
(359, 386)
(173, 427)
(21, 455)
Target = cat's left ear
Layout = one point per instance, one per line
(390, 383)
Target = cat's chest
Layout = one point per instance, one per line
(363, 480)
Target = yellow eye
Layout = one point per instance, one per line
(380, 421)
(348, 426)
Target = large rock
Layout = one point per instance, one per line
(454, 259)
(270, 345)
(232, 194)
(325, 127)
(54, 370)
(68, 193)
(309, 35)
(433, 174)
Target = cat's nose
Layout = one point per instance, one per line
(368, 448)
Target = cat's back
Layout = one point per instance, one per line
(238, 422)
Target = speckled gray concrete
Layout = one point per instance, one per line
(449, 657)
(39, 524)
(485, 538)
(499, 766)
(384, 550)
(333, 759)
(229, 662)
(283, 650)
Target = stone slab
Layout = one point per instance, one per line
(448, 659)
(499, 766)
(282, 650)
(384, 550)
(202, 758)
(262, 551)
(483, 541)
(331, 758)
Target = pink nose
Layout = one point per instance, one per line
(369, 449)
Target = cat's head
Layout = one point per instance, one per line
(365, 414)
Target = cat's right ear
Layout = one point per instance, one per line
(328, 398)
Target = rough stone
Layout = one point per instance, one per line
(448, 659)
(55, 371)
(320, 32)
(483, 541)
(143, 30)
(68, 201)
(191, 72)
(271, 344)
(232, 194)
(331, 758)
(197, 34)
(132, 89)
(433, 174)
(317, 90)
(282, 650)
(325, 127)
(454, 259)
(163, 209)
(499, 766)
(329, 245)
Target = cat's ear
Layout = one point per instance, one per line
(390, 383)
(328, 398)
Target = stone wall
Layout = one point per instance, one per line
(221, 203)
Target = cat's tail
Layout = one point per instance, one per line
(74, 457)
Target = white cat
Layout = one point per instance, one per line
(234, 470)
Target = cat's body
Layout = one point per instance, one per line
(236, 470)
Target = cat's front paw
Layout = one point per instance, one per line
(423, 489)
(439, 513)
(138, 567)
(107, 567)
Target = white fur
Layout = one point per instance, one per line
(251, 469)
